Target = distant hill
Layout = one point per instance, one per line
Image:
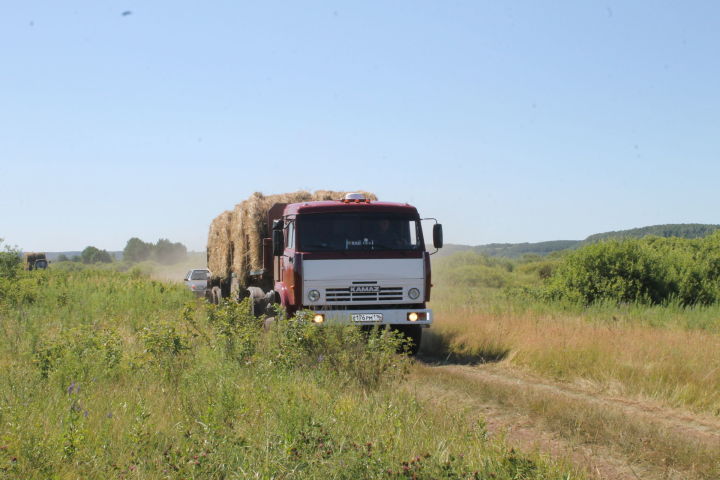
(682, 230)
(53, 256)
(516, 250)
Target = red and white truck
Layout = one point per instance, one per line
(352, 260)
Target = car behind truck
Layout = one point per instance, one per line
(346, 257)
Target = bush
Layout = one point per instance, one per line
(9, 261)
(651, 270)
(94, 255)
(344, 353)
(233, 323)
(78, 352)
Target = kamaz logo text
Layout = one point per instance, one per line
(365, 289)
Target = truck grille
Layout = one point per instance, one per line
(335, 295)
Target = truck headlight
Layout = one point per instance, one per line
(413, 293)
(313, 295)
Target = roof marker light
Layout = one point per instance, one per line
(354, 197)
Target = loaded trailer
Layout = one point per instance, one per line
(346, 257)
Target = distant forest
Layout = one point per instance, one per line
(517, 250)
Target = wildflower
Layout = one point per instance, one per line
(71, 388)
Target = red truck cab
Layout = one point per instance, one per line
(353, 261)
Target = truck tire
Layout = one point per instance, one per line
(271, 303)
(216, 295)
(414, 334)
(257, 300)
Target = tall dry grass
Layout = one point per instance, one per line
(675, 366)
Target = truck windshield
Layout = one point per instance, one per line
(350, 231)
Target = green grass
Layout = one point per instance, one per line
(658, 352)
(111, 375)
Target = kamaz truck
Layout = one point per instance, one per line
(349, 260)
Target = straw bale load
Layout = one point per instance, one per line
(219, 246)
(235, 237)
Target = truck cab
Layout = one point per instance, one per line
(354, 261)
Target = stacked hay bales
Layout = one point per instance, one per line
(235, 237)
(219, 246)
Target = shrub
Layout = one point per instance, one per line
(345, 353)
(9, 261)
(238, 329)
(651, 270)
(78, 353)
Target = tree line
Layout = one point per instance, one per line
(136, 250)
(164, 251)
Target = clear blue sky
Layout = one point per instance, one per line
(509, 121)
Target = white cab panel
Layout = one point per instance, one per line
(363, 269)
(363, 282)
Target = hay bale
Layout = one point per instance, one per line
(219, 245)
(235, 239)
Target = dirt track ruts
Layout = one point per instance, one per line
(496, 401)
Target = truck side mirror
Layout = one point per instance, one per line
(437, 235)
(278, 243)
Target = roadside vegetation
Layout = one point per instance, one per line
(634, 317)
(115, 375)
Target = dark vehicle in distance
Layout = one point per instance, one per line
(35, 261)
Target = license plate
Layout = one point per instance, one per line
(367, 317)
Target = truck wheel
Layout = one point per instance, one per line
(414, 334)
(216, 295)
(257, 297)
(271, 303)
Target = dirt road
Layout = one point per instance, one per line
(608, 436)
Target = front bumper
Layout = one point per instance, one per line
(392, 316)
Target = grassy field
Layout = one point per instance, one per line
(667, 353)
(108, 374)
(115, 375)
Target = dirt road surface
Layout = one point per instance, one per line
(608, 436)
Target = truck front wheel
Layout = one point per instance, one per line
(413, 333)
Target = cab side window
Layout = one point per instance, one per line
(290, 235)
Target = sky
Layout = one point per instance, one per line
(513, 121)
